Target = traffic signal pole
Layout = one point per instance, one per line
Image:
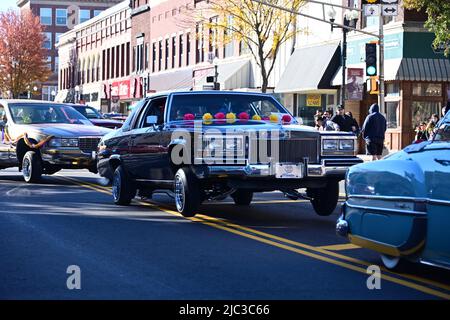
(381, 67)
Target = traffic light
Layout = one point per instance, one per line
(371, 59)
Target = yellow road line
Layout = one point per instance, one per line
(338, 247)
(230, 227)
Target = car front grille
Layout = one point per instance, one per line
(289, 150)
(88, 145)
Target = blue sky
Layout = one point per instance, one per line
(6, 4)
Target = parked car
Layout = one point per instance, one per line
(96, 117)
(400, 206)
(44, 137)
(116, 116)
(143, 154)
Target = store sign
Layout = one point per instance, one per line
(355, 84)
(313, 100)
(121, 89)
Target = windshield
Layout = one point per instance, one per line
(46, 113)
(443, 133)
(200, 104)
(88, 112)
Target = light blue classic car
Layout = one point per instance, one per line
(400, 206)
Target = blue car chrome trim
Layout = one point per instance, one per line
(409, 212)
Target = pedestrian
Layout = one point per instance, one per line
(373, 131)
(434, 118)
(421, 133)
(319, 124)
(431, 126)
(446, 109)
(343, 121)
(355, 125)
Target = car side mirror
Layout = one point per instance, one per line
(152, 120)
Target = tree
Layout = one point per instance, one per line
(438, 21)
(260, 28)
(23, 60)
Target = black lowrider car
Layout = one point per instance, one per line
(44, 137)
(210, 144)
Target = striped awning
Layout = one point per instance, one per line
(414, 69)
(408, 69)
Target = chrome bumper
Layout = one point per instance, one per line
(326, 168)
(68, 157)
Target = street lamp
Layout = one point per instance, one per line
(350, 19)
(216, 73)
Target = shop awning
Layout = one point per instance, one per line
(231, 75)
(414, 69)
(408, 69)
(173, 80)
(310, 68)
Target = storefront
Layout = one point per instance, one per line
(417, 84)
(305, 85)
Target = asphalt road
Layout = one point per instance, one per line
(274, 249)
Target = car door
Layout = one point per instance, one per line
(145, 144)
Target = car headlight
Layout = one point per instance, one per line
(220, 146)
(346, 145)
(330, 145)
(63, 142)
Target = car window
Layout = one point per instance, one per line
(155, 108)
(30, 113)
(200, 104)
(88, 112)
(2, 113)
(134, 113)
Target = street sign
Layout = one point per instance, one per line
(371, 10)
(389, 7)
(389, 10)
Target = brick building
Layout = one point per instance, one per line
(95, 64)
(57, 16)
(171, 50)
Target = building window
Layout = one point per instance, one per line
(97, 12)
(48, 40)
(392, 115)
(147, 55)
(49, 93)
(61, 17)
(46, 16)
(166, 66)
(421, 111)
(85, 15)
(56, 63)
(160, 55)
(427, 89)
(180, 56)
(392, 89)
(153, 56)
(174, 50)
(188, 48)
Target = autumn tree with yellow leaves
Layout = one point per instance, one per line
(260, 28)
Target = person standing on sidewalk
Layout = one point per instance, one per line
(373, 131)
(343, 121)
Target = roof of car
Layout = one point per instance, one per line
(200, 92)
(26, 101)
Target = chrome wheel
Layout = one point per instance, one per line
(179, 193)
(116, 187)
(26, 168)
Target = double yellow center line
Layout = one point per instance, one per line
(319, 253)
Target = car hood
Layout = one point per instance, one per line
(100, 122)
(65, 130)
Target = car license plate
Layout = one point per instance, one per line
(288, 171)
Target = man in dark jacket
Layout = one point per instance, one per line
(344, 122)
(373, 131)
